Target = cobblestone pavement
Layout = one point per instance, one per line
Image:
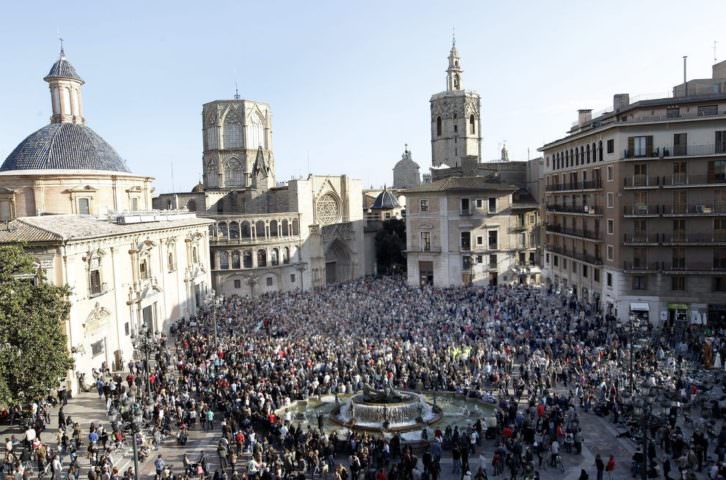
(599, 433)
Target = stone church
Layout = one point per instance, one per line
(269, 237)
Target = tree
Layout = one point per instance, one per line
(390, 244)
(33, 352)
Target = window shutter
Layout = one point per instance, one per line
(631, 146)
(649, 146)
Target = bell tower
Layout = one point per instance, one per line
(455, 119)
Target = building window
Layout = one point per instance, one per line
(610, 173)
(261, 258)
(492, 261)
(673, 112)
(94, 280)
(238, 284)
(556, 260)
(584, 270)
(472, 124)
(268, 280)
(717, 171)
(574, 266)
(721, 141)
(479, 240)
(678, 283)
(641, 146)
(547, 258)
(564, 264)
(195, 256)
(609, 278)
(84, 206)
(611, 199)
(493, 239)
(707, 110)
(292, 278)
(426, 241)
(611, 145)
(247, 259)
(479, 259)
(170, 262)
(438, 126)
(596, 274)
(719, 284)
(466, 241)
(464, 205)
(286, 255)
(640, 282)
(479, 203)
(424, 205)
(466, 263)
(611, 226)
(492, 204)
(144, 273)
(611, 252)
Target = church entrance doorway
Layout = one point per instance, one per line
(493, 279)
(338, 266)
(426, 273)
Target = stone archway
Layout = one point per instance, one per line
(338, 265)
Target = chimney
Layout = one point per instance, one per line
(584, 116)
(620, 101)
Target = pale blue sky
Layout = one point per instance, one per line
(348, 82)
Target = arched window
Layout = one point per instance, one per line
(234, 230)
(599, 150)
(255, 132)
(261, 258)
(170, 262)
(286, 255)
(275, 257)
(233, 175)
(587, 154)
(212, 230)
(246, 233)
(273, 228)
(192, 205)
(438, 126)
(222, 229)
(472, 124)
(456, 81)
(235, 259)
(223, 261)
(232, 133)
(295, 227)
(247, 259)
(260, 229)
(285, 228)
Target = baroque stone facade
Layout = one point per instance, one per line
(267, 237)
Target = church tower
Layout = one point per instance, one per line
(455, 119)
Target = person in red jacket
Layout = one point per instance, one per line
(610, 467)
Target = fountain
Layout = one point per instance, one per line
(385, 411)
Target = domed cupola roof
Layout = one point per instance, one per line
(62, 68)
(64, 146)
(385, 201)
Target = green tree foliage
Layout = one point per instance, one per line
(390, 244)
(33, 352)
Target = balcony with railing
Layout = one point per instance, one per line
(574, 232)
(683, 180)
(579, 185)
(676, 151)
(582, 256)
(675, 238)
(641, 266)
(696, 209)
(577, 209)
(641, 239)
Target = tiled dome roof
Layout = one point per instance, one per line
(63, 69)
(385, 201)
(64, 146)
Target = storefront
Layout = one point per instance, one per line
(641, 311)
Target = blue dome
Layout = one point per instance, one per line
(385, 201)
(64, 146)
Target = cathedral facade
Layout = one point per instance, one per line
(269, 237)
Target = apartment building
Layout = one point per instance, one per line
(471, 230)
(635, 209)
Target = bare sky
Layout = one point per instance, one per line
(348, 82)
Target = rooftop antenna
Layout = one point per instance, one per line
(236, 91)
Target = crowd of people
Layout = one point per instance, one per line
(546, 360)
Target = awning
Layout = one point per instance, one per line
(639, 307)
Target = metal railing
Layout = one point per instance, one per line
(677, 151)
(583, 209)
(641, 266)
(582, 256)
(635, 181)
(576, 232)
(640, 238)
(579, 185)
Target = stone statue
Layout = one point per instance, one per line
(387, 395)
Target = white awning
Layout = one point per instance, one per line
(639, 307)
